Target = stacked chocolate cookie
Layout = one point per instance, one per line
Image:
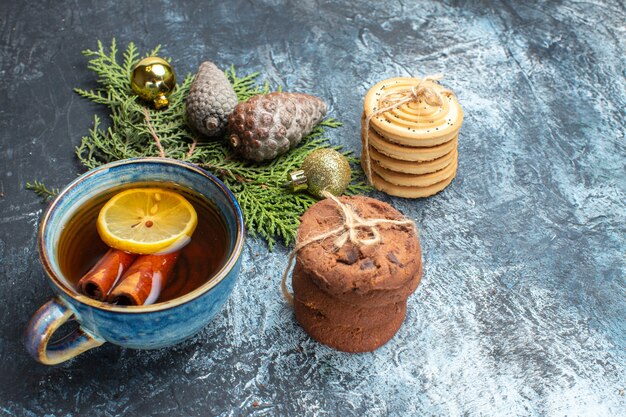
(413, 147)
(354, 298)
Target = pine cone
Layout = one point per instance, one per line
(211, 99)
(269, 125)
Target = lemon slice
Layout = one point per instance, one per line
(147, 220)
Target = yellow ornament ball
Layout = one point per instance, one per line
(153, 79)
(323, 169)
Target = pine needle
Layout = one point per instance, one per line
(270, 211)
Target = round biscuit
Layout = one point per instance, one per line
(415, 168)
(415, 124)
(409, 192)
(410, 180)
(407, 153)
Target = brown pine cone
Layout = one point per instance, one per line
(211, 99)
(269, 125)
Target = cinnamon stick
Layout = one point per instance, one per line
(99, 280)
(144, 280)
(178, 283)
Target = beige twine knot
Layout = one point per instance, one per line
(347, 231)
(425, 90)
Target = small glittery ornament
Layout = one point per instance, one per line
(322, 170)
(153, 79)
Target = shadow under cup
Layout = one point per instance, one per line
(141, 327)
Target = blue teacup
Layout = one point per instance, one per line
(141, 327)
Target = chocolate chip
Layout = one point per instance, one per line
(367, 264)
(348, 256)
(392, 258)
(319, 314)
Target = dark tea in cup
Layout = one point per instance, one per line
(80, 246)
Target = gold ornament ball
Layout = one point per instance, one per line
(153, 79)
(323, 170)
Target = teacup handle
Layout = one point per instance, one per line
(42, 326)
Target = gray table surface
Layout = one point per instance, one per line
(522, 307)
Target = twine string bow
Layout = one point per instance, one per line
(426, 90)
(348, 230)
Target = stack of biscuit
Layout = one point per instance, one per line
(354, 298)
(412, 148)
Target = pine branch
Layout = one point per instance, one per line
(270, 211)
(40, 189)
